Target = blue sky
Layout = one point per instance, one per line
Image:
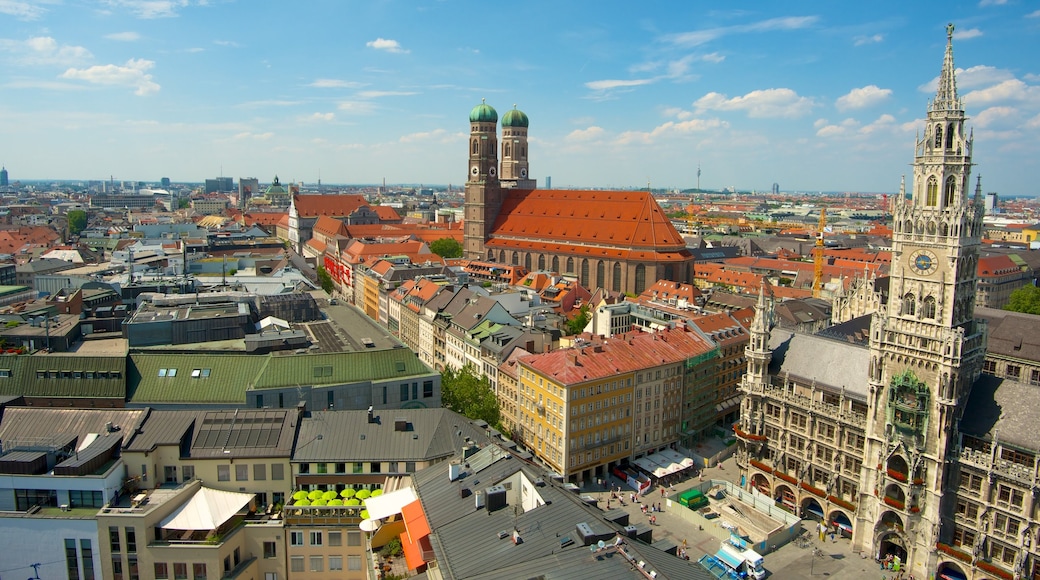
(812, 95)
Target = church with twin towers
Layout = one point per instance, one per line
(616, 240)
(902, 443)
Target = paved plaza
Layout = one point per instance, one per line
(821, 559)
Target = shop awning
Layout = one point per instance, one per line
(677, 457)
(650, 467)
(207, 510)
(389, 504)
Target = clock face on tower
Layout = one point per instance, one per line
(923, 262)
(474, 171)
(523, 172)
(492, 171)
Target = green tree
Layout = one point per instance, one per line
(446, 248)
(577, 324)
(1025, 299)
(325, 280)
(77, 221)
(465, 393)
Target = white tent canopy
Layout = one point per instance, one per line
(650, 467)
(677, 457)
(207, 510)
(388, 504)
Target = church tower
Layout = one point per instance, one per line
(926, 348)
(515, 170)
(483, 191)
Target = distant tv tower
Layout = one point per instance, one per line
(698, 177)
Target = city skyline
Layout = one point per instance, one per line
(813, 97)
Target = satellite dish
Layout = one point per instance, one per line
(601, 544)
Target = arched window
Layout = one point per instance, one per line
(617, 277)
(950, 191)
(541, 261)
(570, 265)
(502, 256)
(938, 136)
(523, 152)
(507, 149)
(516, 258)
(909, 304)
(668, 273)
(585, 273)
(556, 264)
(933, 191)
(527, 262)
(949, 136)
(640, 279)
(928, 307)
(601, 275)
(475, 145)
(491, 256)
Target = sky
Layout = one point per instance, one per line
(815, 96)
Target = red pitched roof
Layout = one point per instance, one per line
(386, 213)
(329, 226)
(331, 205)
(622, 219)
(623, 353)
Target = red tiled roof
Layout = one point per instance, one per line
(332, 205)
(329, 226)
(386, 213)
(623, 353)
(994, 266)
(629, 220)
(264, 218)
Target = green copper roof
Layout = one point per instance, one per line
(514, 118)
(483, 113)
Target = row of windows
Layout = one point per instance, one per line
(356, 467)
(241, 472)
(195, 373)
(316, 538)
(317, 563)
(180, 571)
(78, 374)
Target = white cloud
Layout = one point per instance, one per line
(1033, 123)
(230, 43)
(698, 37)
(437, 135)
(994, 115)
(335, 84)
(44, 50)
(357, 107)
(667, 129)
(1034, 14)
(966, 34)
(860, 98)
(379, 94)
(883, 123)
(132, 74)
(267, 103)
(150, 9)
(992, 2)
(21, 10)
(852, 128)
(322, 117)
(588, 134)
(872, 39)
(843, 128)
(758, 104)
(713, 57)
(1009, 90)
(124, 36)
(250, 136)
(607, 85)
(387, 45)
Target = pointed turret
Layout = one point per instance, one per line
(946, 94)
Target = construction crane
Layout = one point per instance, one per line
(817, 281)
